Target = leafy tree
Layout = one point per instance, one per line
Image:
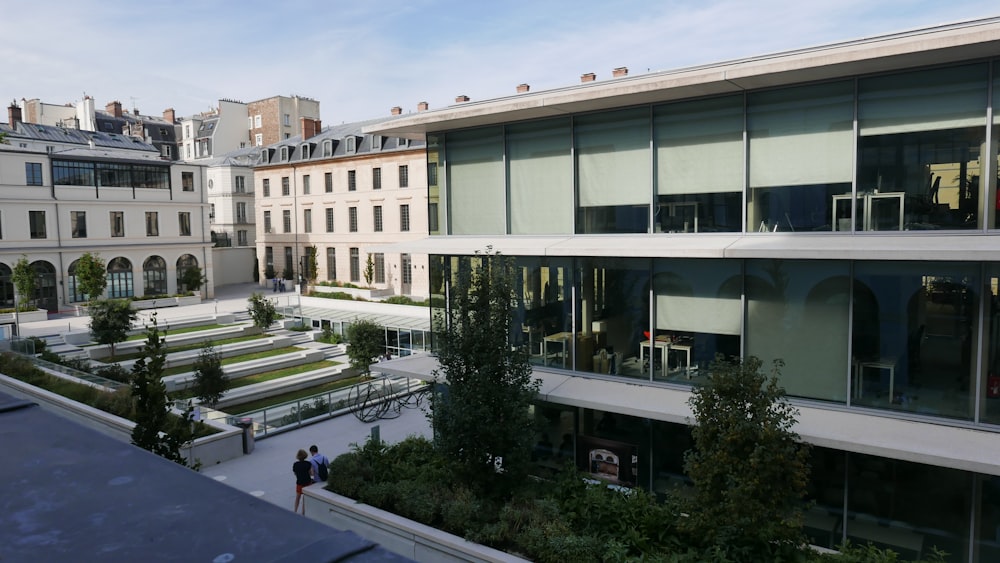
(312, 266)
(262, 311)
(192, 278)
(156, 429)
(369, 270)
(91, 275)
(210, 381)
(482, 421)
(366, 341)
(269, 272)
(748, 467)
(23, 276)
(110, 321)
(287, 274)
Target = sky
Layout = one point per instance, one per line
(359, 59)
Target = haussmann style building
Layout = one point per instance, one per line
(832, 207)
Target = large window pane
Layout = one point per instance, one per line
(801, 146)
(541, 177)
(614, 165)
(908, 507)
(476, 189)
(699, 165)
(993, 177)
(697, 315)
(545, 307)
(612, 317)
(990, 394)
(913, 339)
(922, 135)
(797, 311)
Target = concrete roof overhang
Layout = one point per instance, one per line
(854, 430)
(919, 48)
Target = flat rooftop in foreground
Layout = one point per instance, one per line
(70, 493)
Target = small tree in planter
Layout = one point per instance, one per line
(91, 276)
(210, 381)
(23, 276)
(287, 274)
(369, 270)
(110, 321)
(269, 273)
(365, 343)
(262, 311)
(312, 267)
(192, 278)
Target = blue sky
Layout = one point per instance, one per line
(359, 59)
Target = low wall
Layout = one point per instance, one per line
(25, 316)
(210, 450)
(395, 533)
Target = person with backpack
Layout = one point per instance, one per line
(320, 463)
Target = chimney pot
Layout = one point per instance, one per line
(422, 106)
(620, 71)
(396, 110)
(588, 77)
(522, 88)
(13, 114)
(461, 98)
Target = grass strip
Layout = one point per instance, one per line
(185, 330)
(264, 376)
(236, 359)
(291, 396)
(186, 347)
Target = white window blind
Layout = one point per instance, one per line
(476, 190)
(614, 159)
(541, 178)
(699, 146)
(948, 98)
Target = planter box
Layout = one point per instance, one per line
(25, 317)
(372, 293)
(395, 533)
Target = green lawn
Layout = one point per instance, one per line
(291, 396)
(264, 376)
(186, 347)
(142, 335)
(236, 359)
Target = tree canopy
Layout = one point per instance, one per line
(23, 276)
(262, 311)
(748, 467)
(366, 342)
(482, 420)
(210, 381)
(91, 275)
(110, 321)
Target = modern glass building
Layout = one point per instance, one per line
(834, 208)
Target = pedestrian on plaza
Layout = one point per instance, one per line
(303, 471)
(274, 285)
(320, 464)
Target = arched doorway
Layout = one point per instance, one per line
(6, 287)
(154, 276)
(183, 263)
(120, 278)
(45, 282)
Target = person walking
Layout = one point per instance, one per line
(320, 464)
(303, 471)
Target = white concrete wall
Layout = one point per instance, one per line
(233, 265)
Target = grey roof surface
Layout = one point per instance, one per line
(71, 493)
(337, 134)
(36, 132)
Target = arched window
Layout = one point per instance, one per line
(6, 287)
(154, 276)
(183, 263)
(120, 278)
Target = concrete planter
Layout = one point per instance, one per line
(25, 317)
(369, 293)
(395, 533)
(165, 302)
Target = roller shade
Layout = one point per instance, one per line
(614, 159)
(476, 190)
(712, 315)
(699, 146)
(541, 177)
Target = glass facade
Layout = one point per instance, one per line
(900, 152)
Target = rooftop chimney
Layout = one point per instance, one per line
(13, 114)
(589, 77)
(461, 98)
(169, 115)
(422, 106)
(396, 110)
(310, 127)
(522, 88)
(114, 108)
(619, 72)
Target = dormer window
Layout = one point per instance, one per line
(305, 152)
(376, 142)
(327, 148)
(351, 144)
(401, 143)
(284, 154)
(264, 157)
